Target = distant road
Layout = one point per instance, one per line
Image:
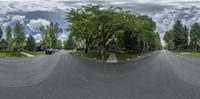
(162, 75)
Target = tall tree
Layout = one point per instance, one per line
(185, 42)
(130, 40)
(19, 37)
(50, 34)
(146, 30)
(30, 43)
(45, 37)
(195, 36)
(107, 28)
(169, 40)
(59, 44)
(69, 44)
(84, 24)
(54, 29)
(98, 25)
(9, 37)
(1, 32)
(179, 36)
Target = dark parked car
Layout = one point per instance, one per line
(50, 51)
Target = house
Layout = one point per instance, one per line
(112, 45)
(3, 44)
(39, 46)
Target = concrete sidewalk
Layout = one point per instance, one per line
(112, 58)
(28, 55)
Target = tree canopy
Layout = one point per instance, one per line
(179, 38)
(97, 26)
(19, 37)
(30, 43)
(50, 34)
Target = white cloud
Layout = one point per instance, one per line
(18, 18)
(29, 6)
(5, 24)
(3, 20)
(164, 12)
(38, 37)
(36, 24)
(149, 1)
(63, 37)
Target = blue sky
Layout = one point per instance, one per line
(33, 14)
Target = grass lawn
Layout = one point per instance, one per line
(190, 54)
(11, 54)
(124, 56)
(36, 53)
(96, 55)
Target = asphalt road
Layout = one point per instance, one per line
(162, 75)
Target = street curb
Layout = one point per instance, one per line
(136, 59)
(89, 59)
(100, 61)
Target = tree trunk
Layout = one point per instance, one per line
(8, 47)
(103, 51)
(144, 45)
(87, 45)
(86, 48)
(139, 49)
(195, 47)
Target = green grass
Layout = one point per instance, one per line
(96, 55)
(36, 53)
(124, 56)
(190, 54)
(11, 54)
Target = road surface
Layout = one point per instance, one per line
(162, 75)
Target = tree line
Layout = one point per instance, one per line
(16, 40)
(96, 25)
(180, 38)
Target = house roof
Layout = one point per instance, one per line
(39, 44)
(3, 41)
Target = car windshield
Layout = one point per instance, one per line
(99, 49)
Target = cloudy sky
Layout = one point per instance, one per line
(33, 14)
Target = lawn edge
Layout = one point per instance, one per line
(126, 61)
(87, 58)
(179, 54)
(139, 58)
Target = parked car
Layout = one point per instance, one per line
(50, 51)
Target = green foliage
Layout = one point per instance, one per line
(97, 25)
(127, 56)
(179, 36)
(1, 32)
(169, 40)
(59, 44)
(130, 41)
(19, 37)
(91, 54)
(69, 44)
(190, 54)
(50, 34)
(186, 40)
(195, 37)
(30, 43)
(11, 54)
(84, 24)
(9, 37)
